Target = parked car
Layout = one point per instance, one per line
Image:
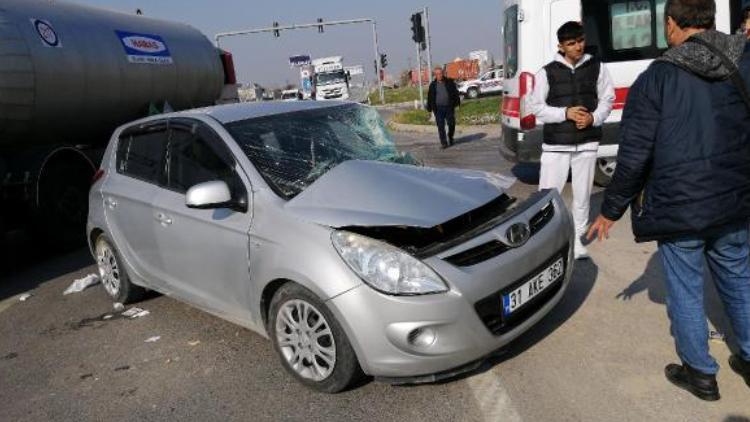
(301, 221)
(291, 95)
(490, 83)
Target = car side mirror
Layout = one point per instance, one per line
(209, 195)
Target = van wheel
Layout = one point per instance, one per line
(605, 169)
(112, 273)
(472, 93)
(310, 342)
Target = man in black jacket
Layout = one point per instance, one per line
(684, 168)
(442, 99)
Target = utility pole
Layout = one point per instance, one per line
(428, 40)
(418, 35)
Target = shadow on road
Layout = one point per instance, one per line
(652, 282)
(25, 264)
(469, 138)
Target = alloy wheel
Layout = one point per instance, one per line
(305, 340)
(109, 271)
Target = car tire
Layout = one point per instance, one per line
(472, 93)
(113, 275)
(605, 169)
(324, 361)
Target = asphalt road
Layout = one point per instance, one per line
(598, 356)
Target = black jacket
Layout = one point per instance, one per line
(452, 93)
(684, 157)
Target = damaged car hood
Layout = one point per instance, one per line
(371, 193)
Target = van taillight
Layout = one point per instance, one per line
(227, 62)
(98, 175)
(526, 86)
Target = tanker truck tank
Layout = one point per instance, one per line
(69, 75)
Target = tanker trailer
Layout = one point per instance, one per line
(69, 75)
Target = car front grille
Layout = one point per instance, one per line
(490, 309)
(493, 248)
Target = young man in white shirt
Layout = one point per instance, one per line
(574, 95)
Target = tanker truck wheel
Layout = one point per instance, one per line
(62, 204)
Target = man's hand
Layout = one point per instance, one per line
(584, 121)
(601, 227)
(575, 113)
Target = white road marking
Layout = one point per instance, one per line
(492, 398)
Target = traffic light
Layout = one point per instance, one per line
(276, 32)
(383, 61)
(320, 27)
(417, 30)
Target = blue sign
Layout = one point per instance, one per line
(145, 48)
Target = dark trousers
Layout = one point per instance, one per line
(445, 114)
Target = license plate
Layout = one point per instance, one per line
(532, 288)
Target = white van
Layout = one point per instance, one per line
(625, 34)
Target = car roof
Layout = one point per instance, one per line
(228, 113)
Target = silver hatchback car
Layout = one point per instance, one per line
(301, 221)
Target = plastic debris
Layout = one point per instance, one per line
(716, 336)
(118, 306)
(24, 297)
(134, 312)
(194, 342)
(82, 284)
(153, 339)
(106, 317)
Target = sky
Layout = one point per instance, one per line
(456, 29)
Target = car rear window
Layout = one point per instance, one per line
(510, 41)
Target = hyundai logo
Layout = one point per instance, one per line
(517, 234)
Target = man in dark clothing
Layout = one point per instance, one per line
(684, 168)
(442, 99)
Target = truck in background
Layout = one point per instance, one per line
(70, 75)
(331, 80)
(626, 35)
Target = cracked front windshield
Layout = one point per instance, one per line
(293, 150)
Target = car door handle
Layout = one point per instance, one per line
(164, 219)
(111, 203)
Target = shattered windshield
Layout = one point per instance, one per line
(292, 150)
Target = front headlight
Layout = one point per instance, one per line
(385, 267)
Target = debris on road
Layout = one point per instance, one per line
(84, 376)
(135, 312)
(153, 339)
(118, 307)
(194, 342)
(106, 317)
(9, 356)
(122, 368)
(82, 284)
(24, 297)
(716, 336)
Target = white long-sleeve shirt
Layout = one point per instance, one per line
(548, 114)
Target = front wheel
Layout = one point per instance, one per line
(310, 342)
(472, 93)
(605, 169)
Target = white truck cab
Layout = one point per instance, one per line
(489, 83)
(626, 35)
(331, 80)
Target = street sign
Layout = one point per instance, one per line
(299, 60)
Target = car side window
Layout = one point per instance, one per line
(198, 155)
(141, 153)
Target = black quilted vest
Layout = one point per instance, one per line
(569, 88)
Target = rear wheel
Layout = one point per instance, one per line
(605, 169)
(472, 93)
(112, 273)
(310, 342)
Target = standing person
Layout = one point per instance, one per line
(745, 27)
(442, 99)
(684, 167)
(573, 97)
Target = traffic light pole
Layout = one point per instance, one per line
(419, 73)
(277, 29)
(427, 40)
